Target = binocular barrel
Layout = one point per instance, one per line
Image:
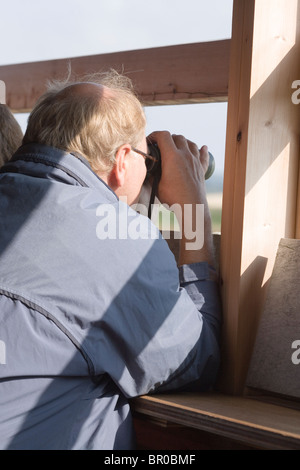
(155, 168)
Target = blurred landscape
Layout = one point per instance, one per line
(214, 187)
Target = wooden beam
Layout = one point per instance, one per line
(188, 73)
(261, 168)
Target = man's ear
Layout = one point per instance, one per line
(117, 176)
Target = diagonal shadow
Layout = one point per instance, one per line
(274, 126)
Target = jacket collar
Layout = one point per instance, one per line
(44, 161)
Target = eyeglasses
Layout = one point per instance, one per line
(150, 160)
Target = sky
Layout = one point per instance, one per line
(34, 30)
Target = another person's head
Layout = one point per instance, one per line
(10, 134)
(94, 117)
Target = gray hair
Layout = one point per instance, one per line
(92, 123)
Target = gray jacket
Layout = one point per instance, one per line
(89, 320)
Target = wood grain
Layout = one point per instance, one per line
(248, 420)
(186, 73)
(261, 169)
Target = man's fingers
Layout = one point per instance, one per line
(204, 157)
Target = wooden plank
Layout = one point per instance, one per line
(263, 425)
(188, 73)
(154, 434)
(261, 167)
(233, 185)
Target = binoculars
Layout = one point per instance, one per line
(154, 166)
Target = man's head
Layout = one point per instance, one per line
(10, 134)
(97, 117)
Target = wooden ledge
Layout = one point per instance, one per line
(248, 420)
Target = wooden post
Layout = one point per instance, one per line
(261, 168)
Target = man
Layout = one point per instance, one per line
(93, 308)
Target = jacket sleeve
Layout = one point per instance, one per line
(161, 331)
(200, 281)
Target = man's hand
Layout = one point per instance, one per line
(182, 183)
(183, 169)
